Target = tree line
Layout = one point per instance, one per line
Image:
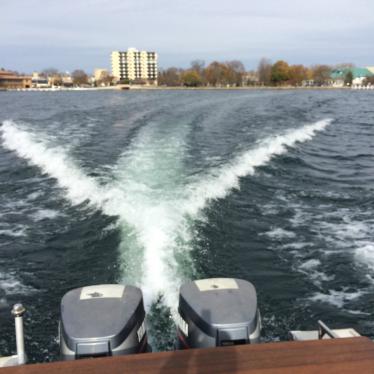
(281, 73)
(215, 74)
(227, 74)
(233, 74)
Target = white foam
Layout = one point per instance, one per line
(219, 182)
(365, 254)
(310, 264)
(11, 285)
(150, 195)
(346, 230)
(162, 223)
(317, 277)
(16, 206)
(44, 214)
(350, 231)
(296, 245)
(34, 195)
(148, 176)
(269, 209)
(279, 233)
(357, 312)
(311, 268)
(111, 227)
(53, 161)
(343, 231)
(336, 298)
(16, 231)
(131, 196)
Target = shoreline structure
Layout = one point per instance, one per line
(170, 88)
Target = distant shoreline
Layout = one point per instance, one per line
(240, 88)
(170, 88)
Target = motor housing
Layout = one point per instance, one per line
(217, 312)
(102, 320)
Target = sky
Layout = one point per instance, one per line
(72, 34)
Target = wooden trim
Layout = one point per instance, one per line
(353, 355)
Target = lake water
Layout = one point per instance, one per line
(156, 187)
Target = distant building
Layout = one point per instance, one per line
(250, 78)
(67, 80)
(338, 77)
(55, 80)
(308, 83)
(102, 78)
(39, 81)
(135, 66)
(100, 74)
(370, 68)
(9, 79)
(359, 75)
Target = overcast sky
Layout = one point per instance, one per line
(70, 34)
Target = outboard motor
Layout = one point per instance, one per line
(217, 312)
(102, 320)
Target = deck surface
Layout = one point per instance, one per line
(354, 355)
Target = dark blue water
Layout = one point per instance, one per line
(156, 187)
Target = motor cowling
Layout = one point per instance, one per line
(102, 320)
(217, 312)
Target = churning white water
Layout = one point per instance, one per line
(150, 194)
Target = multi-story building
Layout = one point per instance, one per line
(10, 79)
(135, 66)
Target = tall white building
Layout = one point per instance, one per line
(135, 65)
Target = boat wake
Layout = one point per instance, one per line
(149, 192)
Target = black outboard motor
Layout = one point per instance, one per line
(102, 320)
(217, 312)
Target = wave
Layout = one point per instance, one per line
(11, 285)
(53, 161)
(221, 181)
(14, 230)
(43, 214)
(279, 233)
(337, 298)
(151, 195)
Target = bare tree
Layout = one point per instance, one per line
(198, 65)
(235, 72)
(79, 77)
(170, 77)
(264, 71)
(321, 74)
(216, 74)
